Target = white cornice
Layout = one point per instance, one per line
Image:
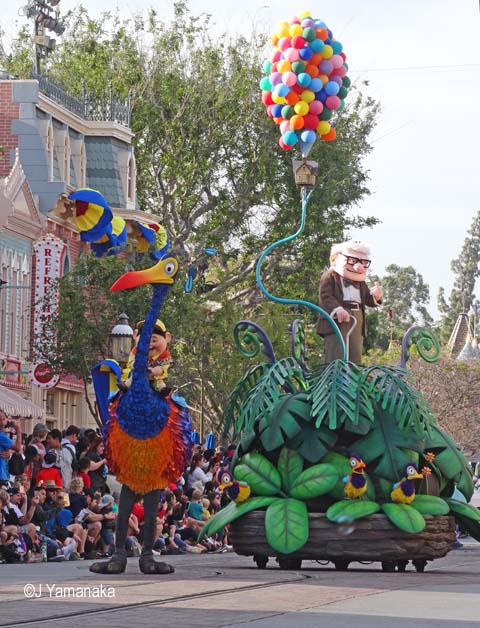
(86, 127)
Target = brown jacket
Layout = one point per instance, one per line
(331, 296)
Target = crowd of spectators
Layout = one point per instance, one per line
(56, 504)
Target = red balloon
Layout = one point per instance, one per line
(283, 145)
(298, 41)
(270, 111)
(298, 88)
(311, 121)
(267, 98)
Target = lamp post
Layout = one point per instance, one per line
(121, 338)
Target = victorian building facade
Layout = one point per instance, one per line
(51, 144)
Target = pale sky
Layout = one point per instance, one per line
(422, 61)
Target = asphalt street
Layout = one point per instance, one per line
(219, 590)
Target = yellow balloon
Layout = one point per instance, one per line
(279, 100)
(304, 14)
(295, 30)
(284, 66)
(301, 108)
(283, 30)
(307, 96)
(323, 127)
(323, 78)
(327, 52)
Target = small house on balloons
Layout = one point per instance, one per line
(305, 172)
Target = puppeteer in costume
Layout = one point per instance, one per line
(344, 292)
(147, 431)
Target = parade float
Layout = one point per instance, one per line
(343, 463)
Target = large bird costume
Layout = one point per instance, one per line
(146, 433)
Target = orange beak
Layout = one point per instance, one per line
(163, 272)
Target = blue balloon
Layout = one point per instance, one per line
(281, 89)
(317, 45)
(290, 138)
(304, 79)
(331, 88)
(337, 47)
(307, 136)
(277, 111)
(305, 53)
(321, 96)
(316, 85)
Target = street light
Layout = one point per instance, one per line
(121, 338)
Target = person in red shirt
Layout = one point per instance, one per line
(49, 471)
(83, 469)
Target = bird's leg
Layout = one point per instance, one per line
(147, 563)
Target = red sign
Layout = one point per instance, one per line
(42, 376)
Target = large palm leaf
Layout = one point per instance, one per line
(234, 416)
(388, 386)
(336, 396)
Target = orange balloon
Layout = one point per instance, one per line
(274, 39)
(292, 98)
(316, 59)
(278, 120)
(330, 136)
(297, 122)
(322, 33)
(312, 70)
(323, 78)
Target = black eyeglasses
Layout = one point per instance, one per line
(356, 260)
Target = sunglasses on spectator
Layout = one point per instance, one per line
(356, 260)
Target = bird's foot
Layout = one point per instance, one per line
(116, 565)
(148, 565)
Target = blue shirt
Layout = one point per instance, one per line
(5, 444)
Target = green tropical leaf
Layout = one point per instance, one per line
(314, 481)
(351, 509)
(285, 420)
(342, 464)
(362, 427)
(286, 525)
(389, 387)
(383, 448)
(289, 465)
(449, 461)
(336, 396)
(465, 510)
(430, 505)
(260, 474)
(404, 517)
(231, 512)
(313, 442)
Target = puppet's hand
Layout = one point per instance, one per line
(377, 292)
(342, 315)
(156, 370)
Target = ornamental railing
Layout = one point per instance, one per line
(107, 108)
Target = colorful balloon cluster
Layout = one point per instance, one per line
(306, 81)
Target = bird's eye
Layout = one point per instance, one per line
(226, 478)
(170, 268)
(411, 470)
(353, 462)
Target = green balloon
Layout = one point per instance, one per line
(298, 67)
(287, 111)
(346, 82)
(326, 114)
(265, 84)
(342, 92)
(309, 33)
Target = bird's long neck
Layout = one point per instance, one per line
(141, 357)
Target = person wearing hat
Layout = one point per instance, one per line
(159, 356)
(49, 472)
(108, 524)
(7, 445)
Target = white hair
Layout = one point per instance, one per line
(351, 245)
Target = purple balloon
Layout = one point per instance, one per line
(275, 78)
(325, 67)
(337, 79)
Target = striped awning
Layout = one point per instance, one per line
(16, 406)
